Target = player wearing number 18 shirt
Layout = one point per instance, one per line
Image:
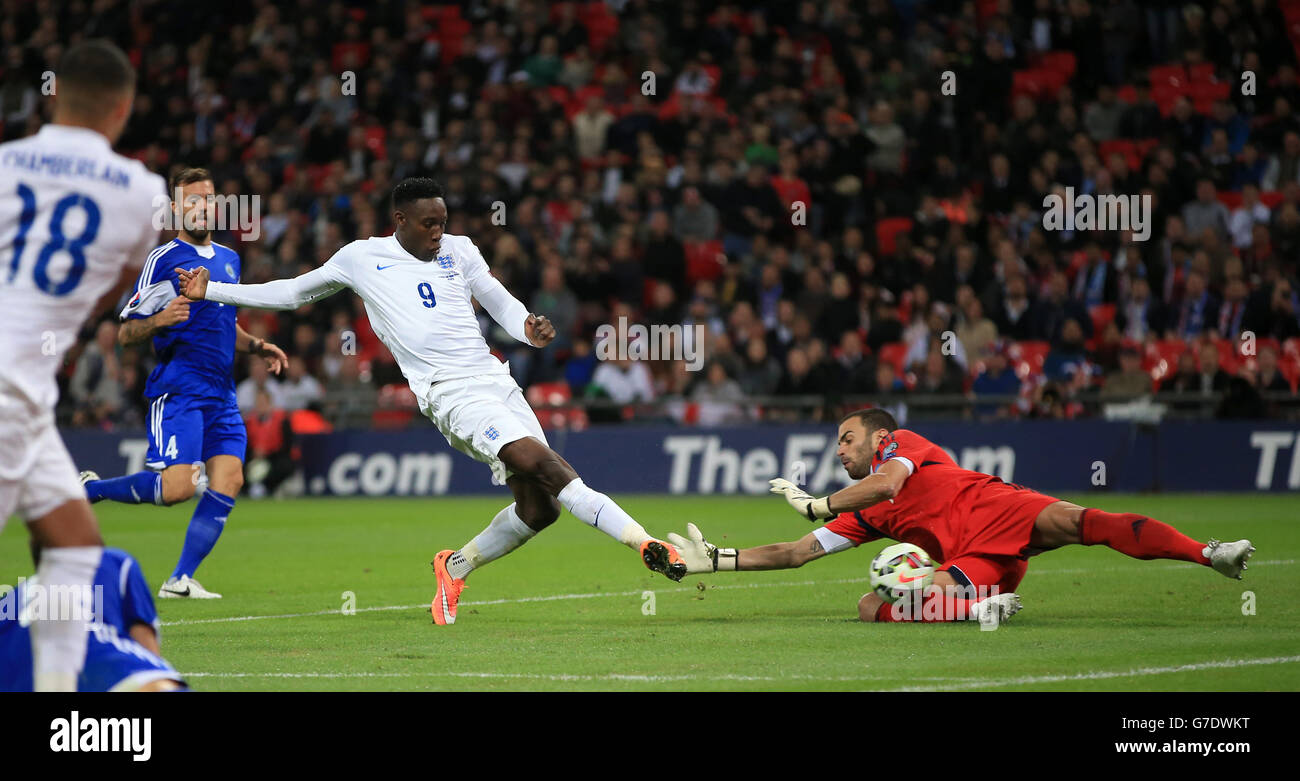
(417, 286)
(73, 216)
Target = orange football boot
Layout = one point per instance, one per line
(661, 557)
(447, 596)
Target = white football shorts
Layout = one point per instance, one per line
(481, 415)
(36, 472)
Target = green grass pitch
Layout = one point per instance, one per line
(570, 610)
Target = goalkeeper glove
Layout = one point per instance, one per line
(803, 502)
(701, 555)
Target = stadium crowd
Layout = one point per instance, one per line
(848, 196)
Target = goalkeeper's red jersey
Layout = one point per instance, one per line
(947, 510)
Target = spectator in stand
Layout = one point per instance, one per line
(1232, 312)
(760, 374)
(1096, 282)
(695, 219)
(259, 378)
(1206, 212)
(1269, 377)
(976, 332)
(590, 127)
(269, 460)
(1276, 311)
(1013, 319)
(1129, 380)
(799, 378)
(1138, 315)
(996, 379)
(887, 380)
(1056, 308)
(1068, 355)
(1284, 166)
(623, 380)
(97, 383)
(1198, 311)
(1244, 217)
(940, 374)
(1209, 378)
(856, 370)
(299, 389)
(719, 397)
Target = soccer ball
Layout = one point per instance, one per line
(901, 571)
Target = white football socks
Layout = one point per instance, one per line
(596, 509)
(59, 637)
(506, 532)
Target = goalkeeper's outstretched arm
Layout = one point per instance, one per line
(702, 556)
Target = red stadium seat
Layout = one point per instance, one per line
(894, 353)
(1165, 360)
(1102, 315)
(1032, 353)
(396, 406)
(887, 231)
(1062, 62)
(1123, 147)
(542, 394)
(1229, 198)
(1171, 75)
(543, 398)
(1201, 71)
(1271, 198)
(1230, 359)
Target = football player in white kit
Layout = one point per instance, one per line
(73, 216)
(417, 286)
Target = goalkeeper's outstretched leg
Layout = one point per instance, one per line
(1065, 523)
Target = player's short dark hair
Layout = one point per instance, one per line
(92, 75)
(184, 176)
(413, 189)
(873, 419)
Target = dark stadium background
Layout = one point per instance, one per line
(923, 209)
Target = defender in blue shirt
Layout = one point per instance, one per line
(122, 649)
(193, 418)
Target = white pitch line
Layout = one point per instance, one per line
(521, 600)
(564, 676)
(1100, 675)
(678, 589)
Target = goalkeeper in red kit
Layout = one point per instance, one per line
(979, 530)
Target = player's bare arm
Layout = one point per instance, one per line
(142, 329)
(702, 556)
(276, 360)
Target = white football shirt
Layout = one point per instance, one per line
(420, 310)
(73, 214)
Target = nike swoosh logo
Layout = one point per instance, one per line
(184, 593)
(381, 268)
(905, 579)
